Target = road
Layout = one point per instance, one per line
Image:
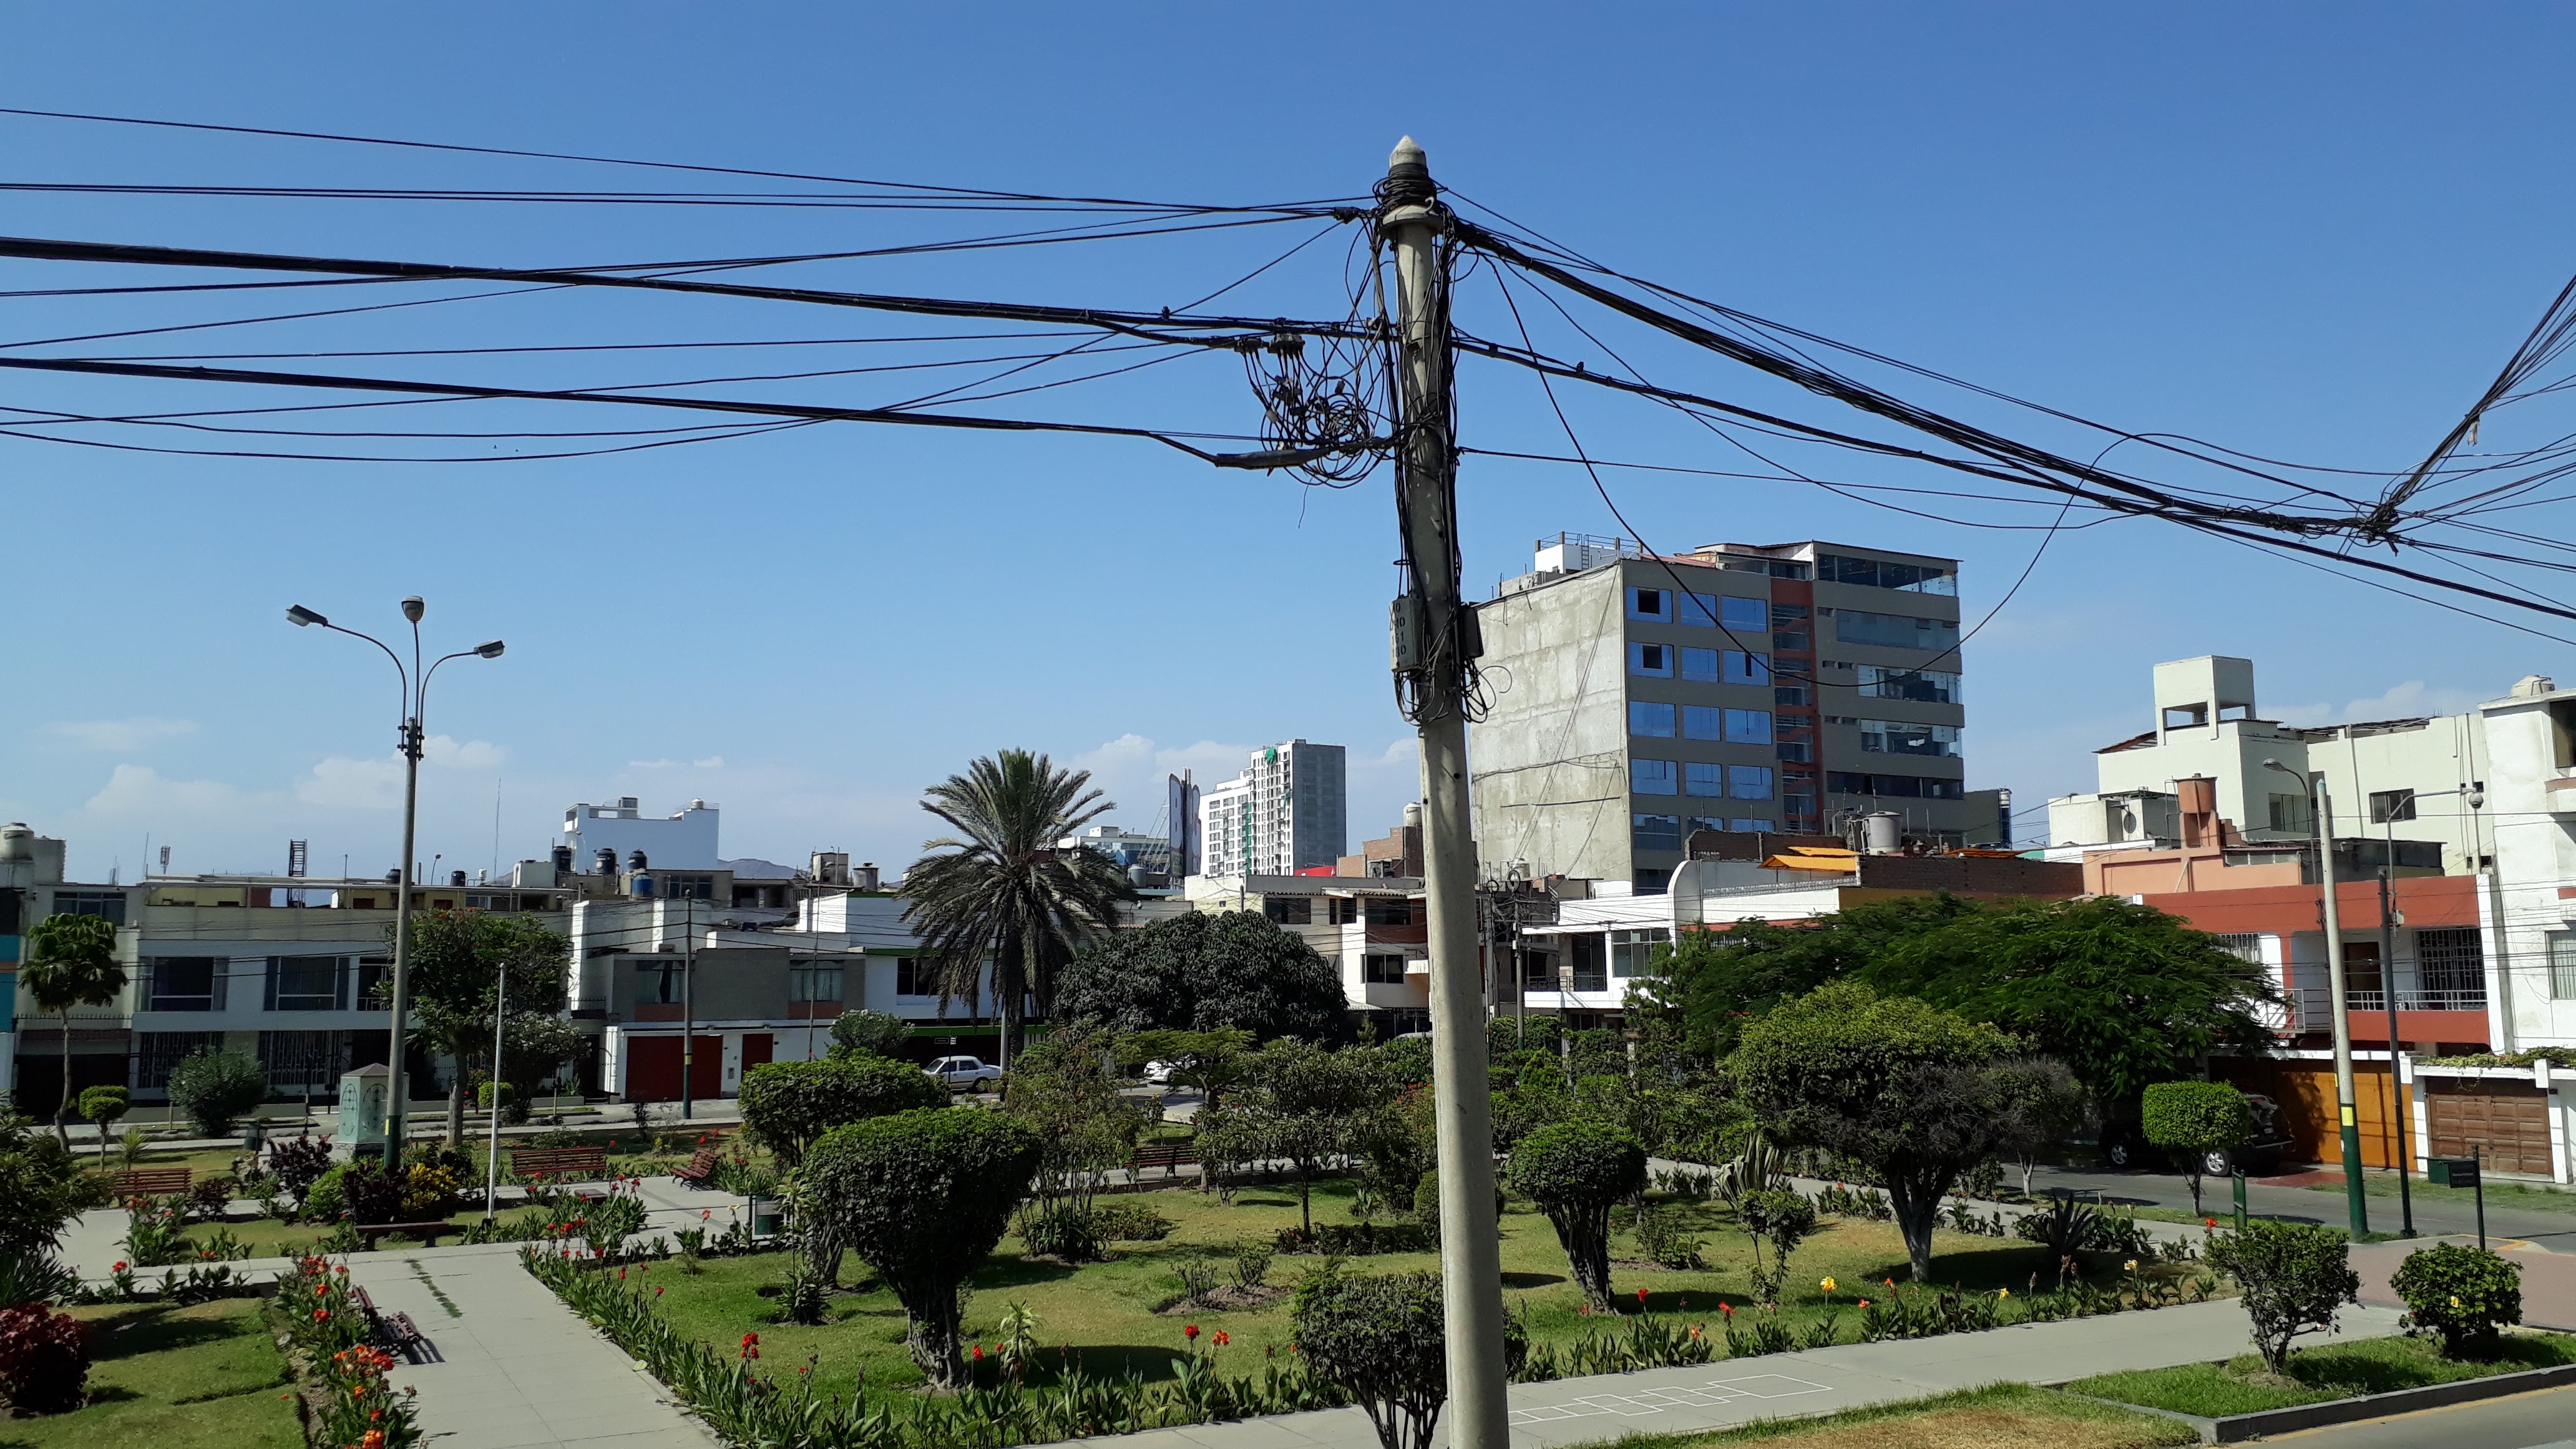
(2549, 1230)
(2526, 1421)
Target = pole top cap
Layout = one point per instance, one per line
(1407, 159)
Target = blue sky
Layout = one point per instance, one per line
(2305, 231)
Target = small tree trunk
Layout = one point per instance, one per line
(2191, 1175)
(2027, 1164)
(62, 1133)
(1584, 1232)
(1916, 1214)
(456, 1106)
(930, 1331)
(1306, 1195)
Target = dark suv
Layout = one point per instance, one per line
(2124, 1144)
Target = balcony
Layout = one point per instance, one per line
(2443, 1013)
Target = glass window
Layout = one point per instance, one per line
(1652, 605)
(1655, 720)
(1699, 610)
(184, 983)
(1752, 825)
(306, 983)
(1289, 910)
(1703, 722)
(156, 1052)
(1789, 694)
(1655, 832)
(1390, 911)
(1735, 613)
(814, 981)
(1652, 660)
(1796, 751)
(1701, 664)
(1705, 779)
(303, 1061)
(1749, 782)
(914, 977)
(1743, 668)
(1931, 686)
(1382, 970)
(1876, 573)
(2452, 965)
(2562, 965)
(1699, 823)
(1631, 952)
(1748, 726)
(108, 906)
(1894, 737)
(1654, 777)
(1896, 631)
(2387, 805)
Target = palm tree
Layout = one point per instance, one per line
(1001, 892)
(71, 961)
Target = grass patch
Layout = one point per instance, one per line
(1115, 1316)
(2334, 1371)
(205, 1376)
(2000, 1416)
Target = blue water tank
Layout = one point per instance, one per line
(641, 885)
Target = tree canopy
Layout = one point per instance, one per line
(458, 963)
(71, 961)
(1203, 971)
(790, 1104)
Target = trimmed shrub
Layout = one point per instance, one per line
(869, 1033)
(1131, 1222)
(2294, 1277)
(217, 1089)
(1575, 1171)
(44, 1359)
(1379, 1339)
(922, 1197)
(103, 1105)
(791, 1104)
(2194, 1122)
(2464, 1294)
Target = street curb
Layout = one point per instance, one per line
(2236, 1428)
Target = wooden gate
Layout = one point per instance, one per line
(2507, 1121)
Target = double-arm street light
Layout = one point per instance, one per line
(2318, 801)
(415, 696)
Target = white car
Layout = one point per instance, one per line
(1159, 1074)
(963, 1073)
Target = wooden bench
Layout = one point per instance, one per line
(428, 1233)
(1169, 1156)
(700, 1167)
(572, 1162)
(395, 1330)
(152, 1181)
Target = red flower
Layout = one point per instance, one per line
(657, 1290)
(749, 1339)
(1727, 1308)
(1641, 1296)
(979, 1353)
(1221, 1339)
(702, 1139)
(120, 1266)
(321, 1315)
(1191, 1333)
(2209, 1222)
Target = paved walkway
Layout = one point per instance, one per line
(2548, 1278)
(508, 1366)
(1736, 1391)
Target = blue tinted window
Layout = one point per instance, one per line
(1650, 719)
(1737, 613)
(1703, 722)
(1700, 664)
(1702, 779)
(1654, 777)
(1748, 726)
(1652, 660)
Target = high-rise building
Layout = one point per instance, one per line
(1288, 811)
(1636, 699)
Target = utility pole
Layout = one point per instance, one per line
(2338, 1004)
(1435, 644)
(2397, 1105)
(688, 1011)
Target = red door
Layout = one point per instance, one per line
(755, 1049)
(653, 1068)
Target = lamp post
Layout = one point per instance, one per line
(2323, 805)
(2397, 1106)
(408, 735)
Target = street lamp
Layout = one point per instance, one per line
(2476, 798)
(2319, 801)
(408, 737)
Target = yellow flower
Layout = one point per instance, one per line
(2003, 1293)
(1827, 1285)
(2455, 1300)
(2130, 1266)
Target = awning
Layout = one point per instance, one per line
(1815, 858)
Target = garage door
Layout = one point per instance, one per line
(2507, 1122)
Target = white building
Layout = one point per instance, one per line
(686, 840)
(1288, 811)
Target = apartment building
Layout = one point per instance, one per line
(1288, 811)
(685, 838)
(1786, 687)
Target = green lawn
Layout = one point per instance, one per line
(206, 1376)
(269, 1238)
(1106, 1313)
(1999, 1416)
(2331, 1371)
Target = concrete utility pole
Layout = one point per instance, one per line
(1435, 643)
(2337, 1007)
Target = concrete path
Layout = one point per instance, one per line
(508, 1366)
(1736, 1391)
(2548, 1279)
(2543, 1227)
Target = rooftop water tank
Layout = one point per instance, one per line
(640, 886)
(17, 841)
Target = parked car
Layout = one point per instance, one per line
(963, 1073)
(1159, 1074)
(2125, 1145)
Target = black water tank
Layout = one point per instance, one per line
(563, 857)
(607, 861)
(456, 877)
(634, 860)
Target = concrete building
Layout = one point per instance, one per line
(684, 839)
(1288, 811)
(32, 1048)
(1796, 687)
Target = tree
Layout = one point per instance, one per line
(1894, 1083)
(1308, 1105)
(1782, 1217)
(877, 1033)
(217, 1088)
(1204, 971)
(1064, 1091)
(459, 960)
(2294, 1277)
(42, 1188)
(1575, 1172)
(104, 1106)
(1001, 895)
(922, 1197)
(2197, 1123)
(790, 1105)
(1379, 1337)
(70, 962)
(1719, 981)
(2045, 1103)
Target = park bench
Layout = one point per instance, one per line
(700, 1167)
(151, 1181)
(576, 1163)
(1168, 1156)
(395, 1330)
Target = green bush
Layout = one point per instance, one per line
(790, 1104)
(922, 1197)
(1131, 1222)
(1379, 1338)
(217, 1089)
(42, 1188)
(1575, 1171)
(2294, 1277)
(869, 1033)
(514, 1103)
(103, 1105)
(2194, 1121)
(1357, 1240)
(1782, 1218)
(2464, 1294)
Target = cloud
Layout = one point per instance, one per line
(2411, 700)
(120, 735)
(377, 784)
(140, 790)
(711, 762)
